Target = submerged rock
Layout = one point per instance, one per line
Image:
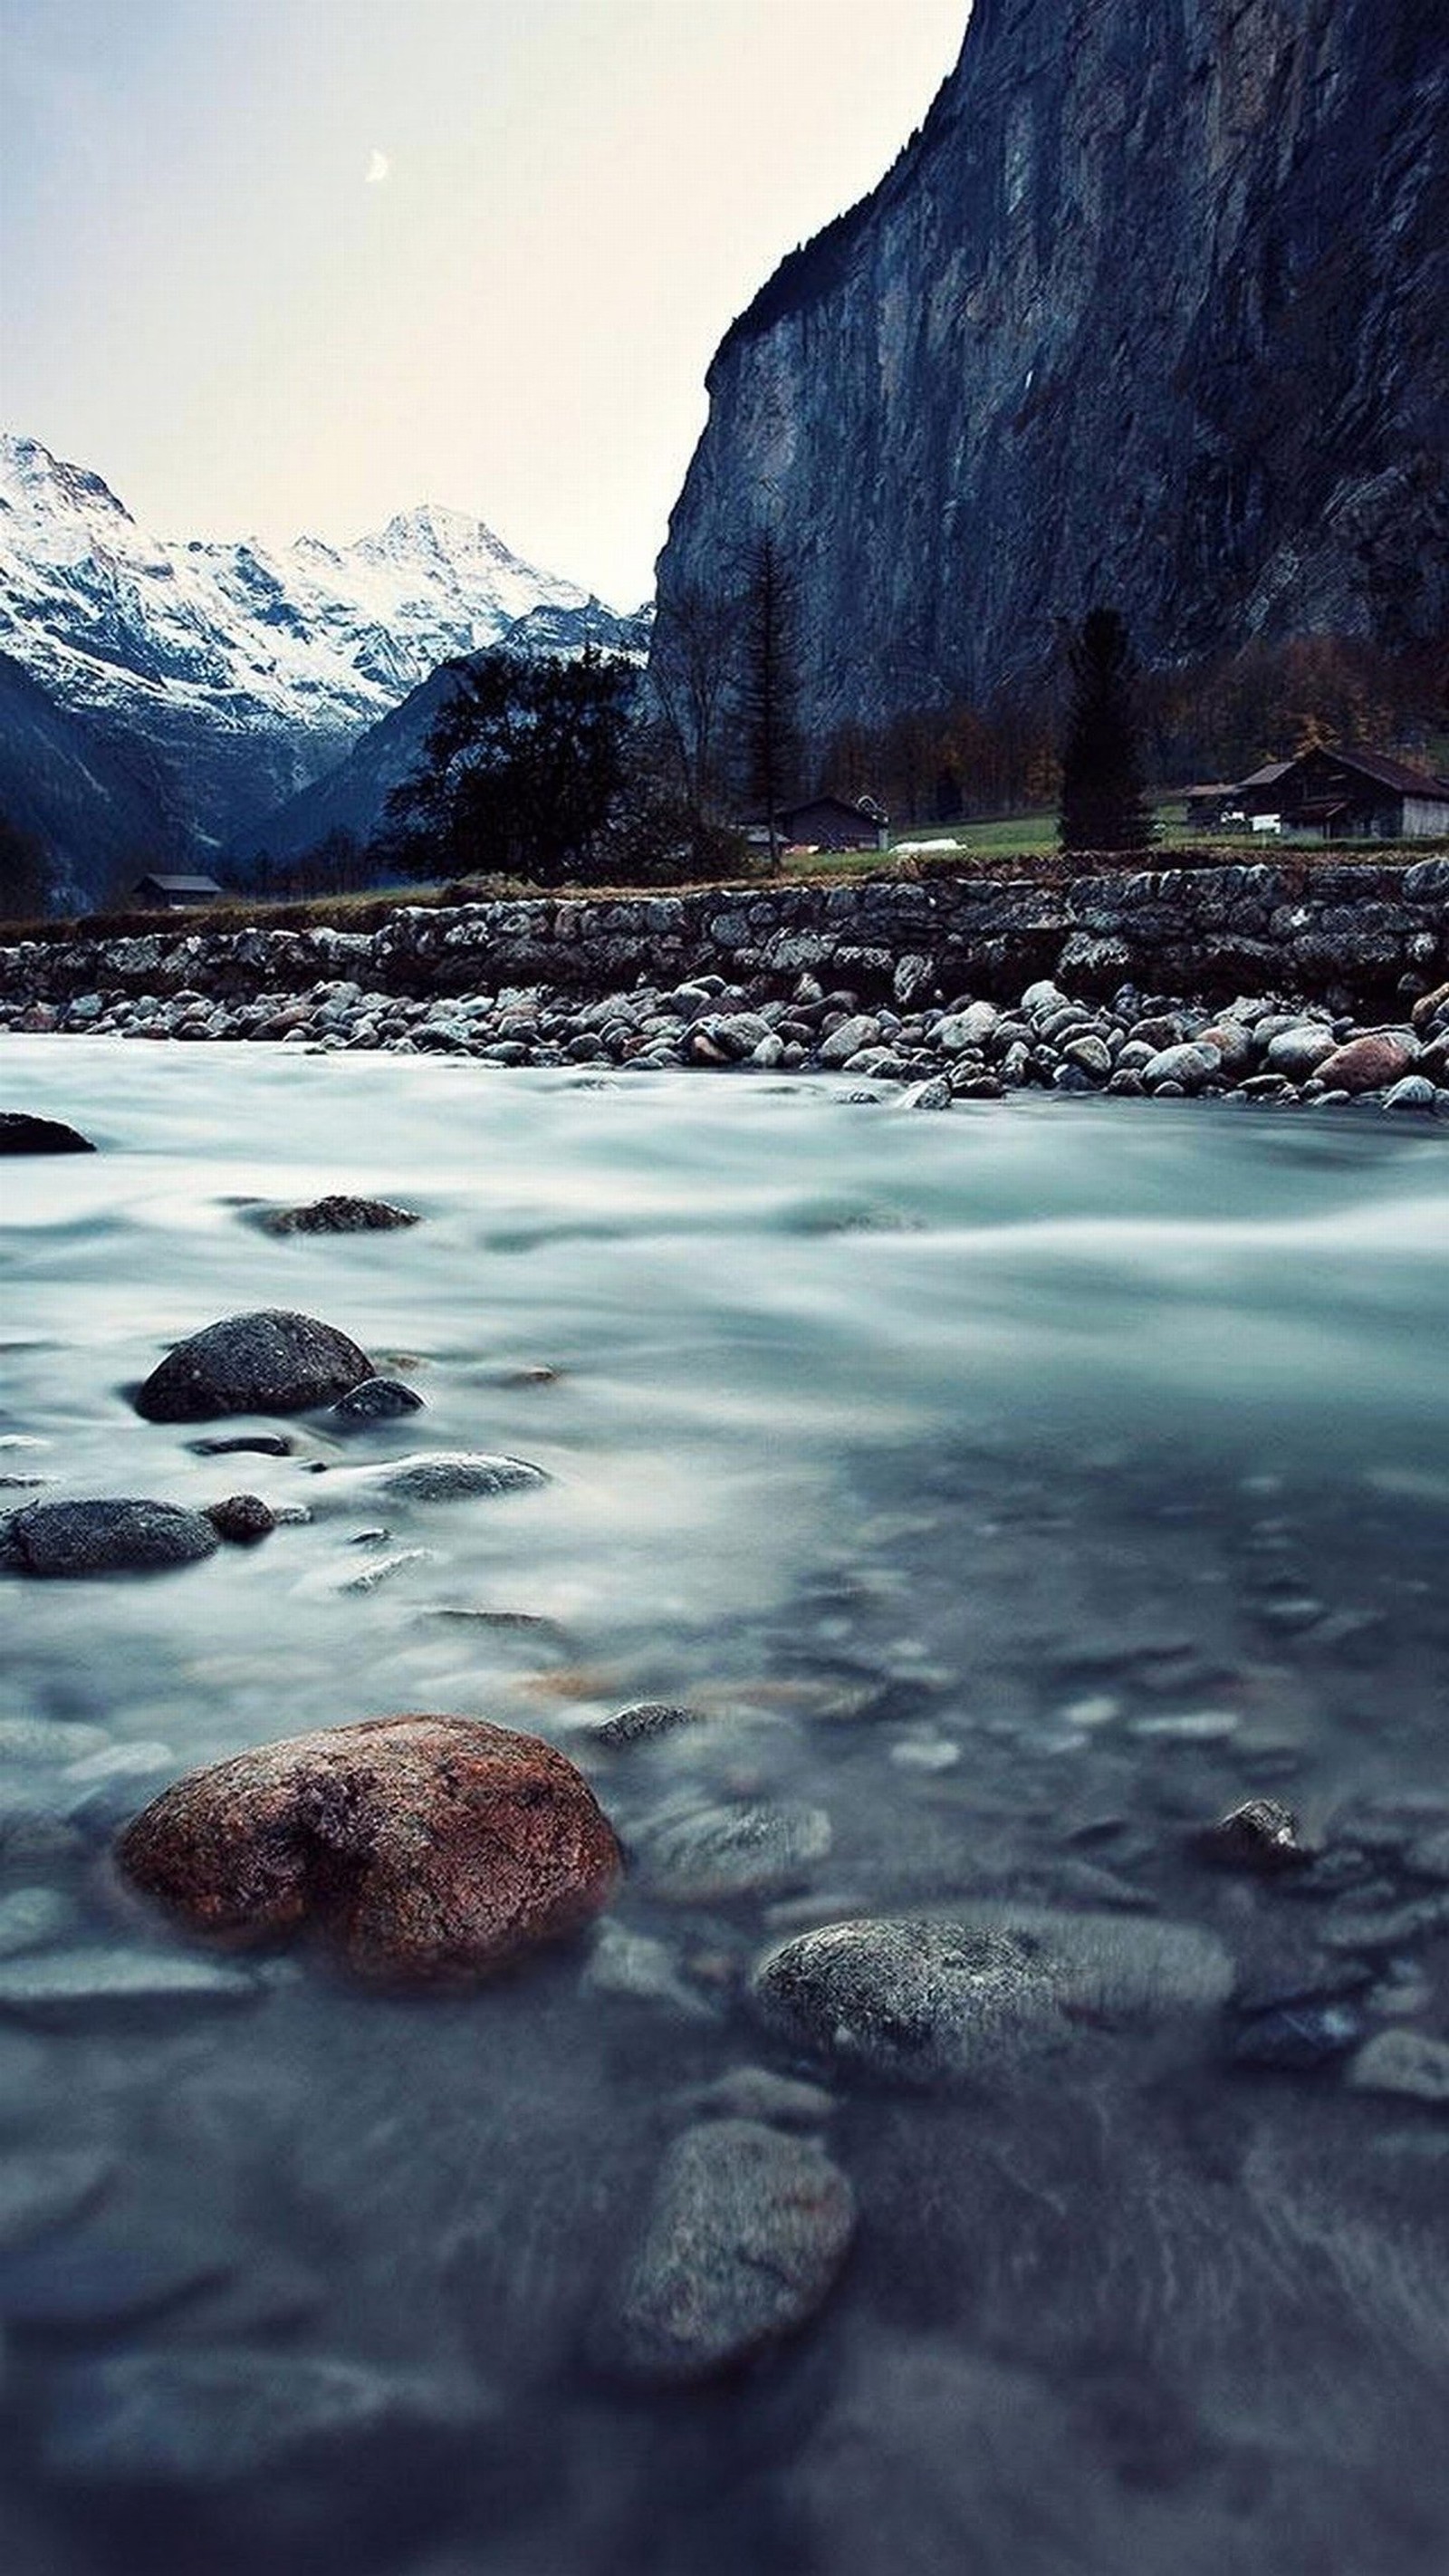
(745, 2234)
(695, 1854)
(928, 2001)
(208, 2418)
(46, 2187)
(428, 1849)
(634, 1965)
(443, 1476)
(1403, 2061)
(259, 1444)
(339, 1215)
(378, 1399)
(76, 1985)
(1260, 1835)
(758, 2093)
(106, 2275)
(22, 1134)
(107, 1537)
(643, 1721)
(31, 1918)
(1298, 2037)
(273, 1361)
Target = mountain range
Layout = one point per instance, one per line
(160, 699)
(1152, 311)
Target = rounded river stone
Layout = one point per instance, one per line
(107, 1537)
(339, 1215)
(273, 1361)
(926, 2002)
(745, 2234)
(428, 1849)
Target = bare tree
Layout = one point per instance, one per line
(691, 671)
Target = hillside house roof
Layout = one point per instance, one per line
(179, 889)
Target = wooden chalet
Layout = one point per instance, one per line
(1348, 796)
(175, 894)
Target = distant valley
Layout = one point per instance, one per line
(160, 700)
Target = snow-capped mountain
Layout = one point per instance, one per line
(246, 669)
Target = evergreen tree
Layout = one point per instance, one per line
(24, 884)
(770, 684)
(1103, 804)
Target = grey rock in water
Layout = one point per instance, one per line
(1403, 2061)
(378, 1399)
(339, 1215)
(636, 1966)
(208, 2419)
(107, 1537)
(1260, 1835)
(74, 1986)
(42, 2188)
(928, 2001)
(644, 1721)
(259, 1444)
(22, 1134)
(758, 2093)
(745, 2234)
(106, 2274)
(31, 1917)
(272, 1361)
(1298, 2037)
(692, 1853)
(443, 1476)
(242, 1519)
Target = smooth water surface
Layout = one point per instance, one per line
(1022, 1487)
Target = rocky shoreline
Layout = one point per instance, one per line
(1257, 1048)
(1281, 983)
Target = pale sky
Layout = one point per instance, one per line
(283, 265)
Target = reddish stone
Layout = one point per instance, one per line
(428, 1849)
(1369, 1063)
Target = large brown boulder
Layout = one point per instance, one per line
(428, 1849)
(1367, 1063)
(273, 1361)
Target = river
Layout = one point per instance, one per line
(1019, 1488)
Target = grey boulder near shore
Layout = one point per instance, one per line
(428, 1850)
(272, 1361)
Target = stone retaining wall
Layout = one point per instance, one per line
(1363, 932)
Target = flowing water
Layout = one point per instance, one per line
(1021, 1488)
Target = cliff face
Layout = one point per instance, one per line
(1154, 310)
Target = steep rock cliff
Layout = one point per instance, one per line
(1155, 308)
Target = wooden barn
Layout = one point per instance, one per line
(175, 894)
(830, 823)
(1348, 796)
